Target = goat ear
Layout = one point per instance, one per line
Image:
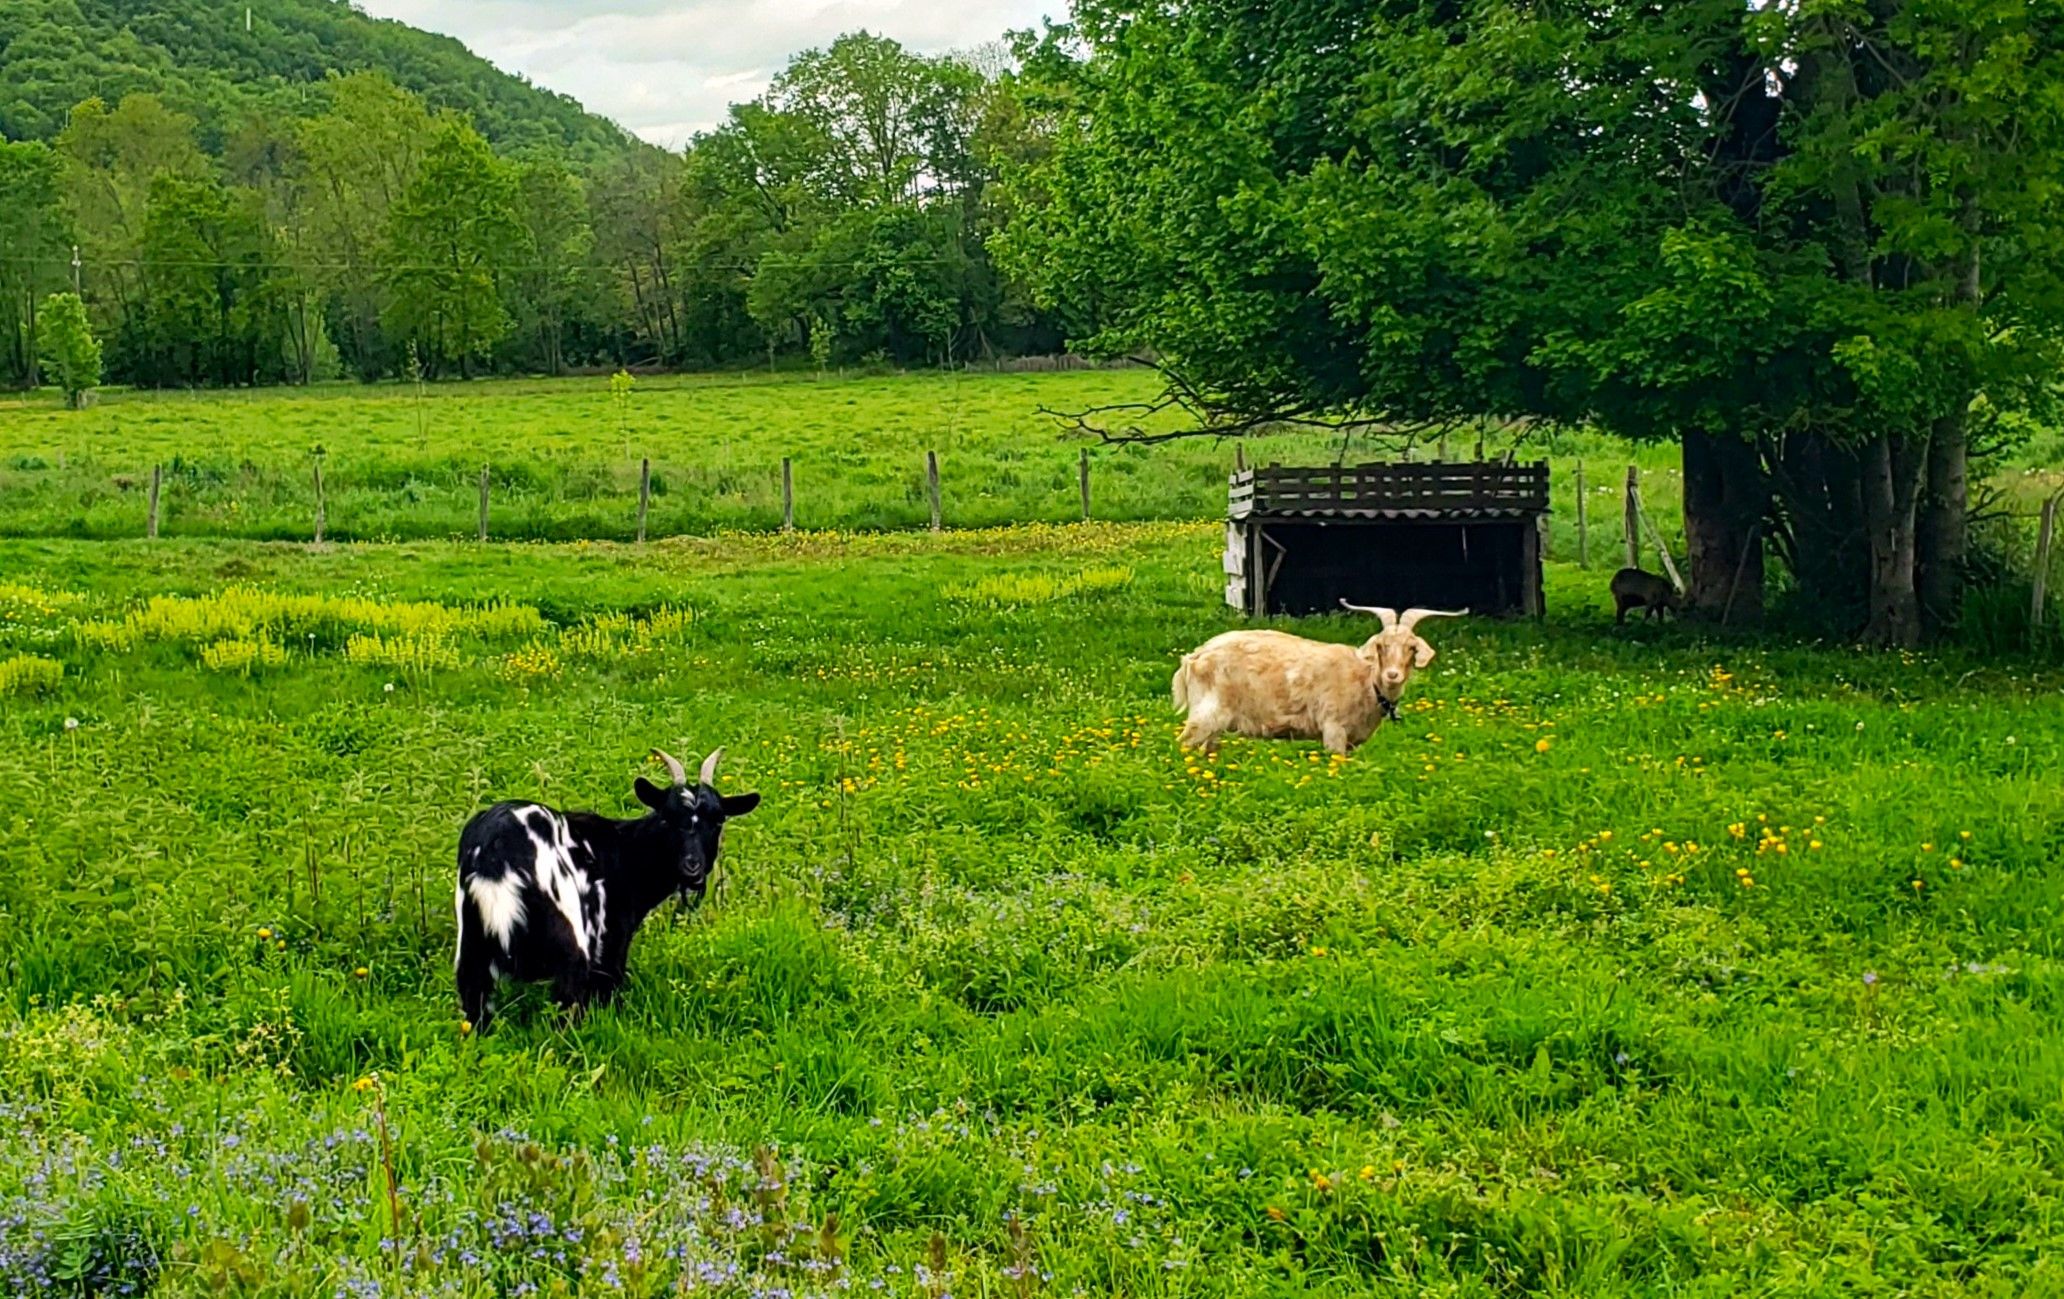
(739, 804)
(1422, 653)
(648, 793)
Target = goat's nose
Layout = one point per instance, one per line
(1392, 676)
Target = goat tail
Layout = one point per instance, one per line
(1179, 687)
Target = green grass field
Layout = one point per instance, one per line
(1629, 963)
(399, 467)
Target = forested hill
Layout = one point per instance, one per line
(199, 59)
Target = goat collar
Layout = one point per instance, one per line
(1387, 704)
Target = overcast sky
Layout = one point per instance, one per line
(666, 69)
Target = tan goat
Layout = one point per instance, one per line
(1270, 685)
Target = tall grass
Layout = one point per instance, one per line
(237, 463)
(1628, 962)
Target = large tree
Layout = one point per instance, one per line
(546, 292)
(353, 164)
(110, 157)
(212, 316)
(1758, 229)
(450, 236)
(33, 264)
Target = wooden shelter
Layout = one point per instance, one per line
(1441, 536)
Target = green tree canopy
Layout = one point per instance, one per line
(449, 237)
(1785, 234)
(34, 257)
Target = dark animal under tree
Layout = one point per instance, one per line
(1634, 588)
(558, 896)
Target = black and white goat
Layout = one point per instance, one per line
(558, 895)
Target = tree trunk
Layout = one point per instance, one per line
(1725, 498)
(1945, 504)
(1817, 486)
(1944, 525)
(1893, 468)
(33, 360)
(646, 315)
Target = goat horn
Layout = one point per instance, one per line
(709, 766)
(1411, 617)
(673, 766)
(1389, 616)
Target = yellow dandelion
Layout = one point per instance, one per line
(361, 972)
(1541, 745)
(264, 932)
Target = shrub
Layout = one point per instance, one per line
(69, 347)
(28, 674)
(409, 652)
(243, 656)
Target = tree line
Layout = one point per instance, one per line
(1820, 244)
(844, 215)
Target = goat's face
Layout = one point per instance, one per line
(695, 814)
(1393, 656)
(1394, 653)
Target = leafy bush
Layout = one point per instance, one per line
(27, 674)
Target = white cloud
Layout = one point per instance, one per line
(665, 69)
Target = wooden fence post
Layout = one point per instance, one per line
(1655, 535)
(157, 480)
(644, 494)
(787, 494)
(1084, 475)
(1633, 517)
(1741, 566)
(932, 485)
(483, 502)
(1583, 526)
(320, 520)
(1547, 534)
(1239, 459)
(2045, 533)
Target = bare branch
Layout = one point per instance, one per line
(1209, 415)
